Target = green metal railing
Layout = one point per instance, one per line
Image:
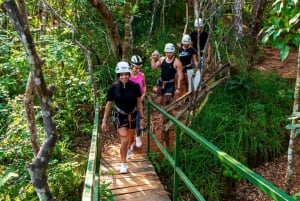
(91, 184)
(268, 188)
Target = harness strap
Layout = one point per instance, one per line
(188, 67)
(169, 81)
(123, 112)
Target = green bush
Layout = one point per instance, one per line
(245, 118)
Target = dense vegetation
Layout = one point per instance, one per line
(230, 114)
(240, 119)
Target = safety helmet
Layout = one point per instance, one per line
(186, 39)
(169, 47)
(122, 67)
(198, 22)
(136, 60)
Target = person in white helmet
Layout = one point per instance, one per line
(188, 58)
(170, 66)
(126, 96)
(199, 45)
(199, 39)
(138, 77)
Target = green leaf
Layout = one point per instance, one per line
(279, 44)
(284, 52)
(7, 177)
(295, 19)
(276, 33)
(292, 126)
(278, 6)
(296, 40)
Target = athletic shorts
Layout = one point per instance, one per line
(169, 88)
(123, 120)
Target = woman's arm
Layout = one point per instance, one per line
(141, 111)
(105, 116)
(155, 61)
(144, 87)
(195, 60)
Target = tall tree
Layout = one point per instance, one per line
(37, 169)
(255, 25)
(282, 31)
(237, 19)
(112, 28)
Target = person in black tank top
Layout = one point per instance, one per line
(170, 66)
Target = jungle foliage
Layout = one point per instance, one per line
(231, 113)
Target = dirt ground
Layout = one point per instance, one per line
(275, 171)
(272, 171)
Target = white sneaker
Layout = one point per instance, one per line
(129, 153)
(123, 169)
(131, 147)
(138, 141)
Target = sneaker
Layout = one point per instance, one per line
(123, 169)
(138, 141)
(131, 147)
(129, 153)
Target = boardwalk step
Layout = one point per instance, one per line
(141, 183)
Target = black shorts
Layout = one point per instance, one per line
(124, 120)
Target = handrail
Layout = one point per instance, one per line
(267, 187)
(91, 184)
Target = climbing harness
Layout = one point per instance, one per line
(123, 112)
(129, 115)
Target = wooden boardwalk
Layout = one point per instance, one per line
(141, 183)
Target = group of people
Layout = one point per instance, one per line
(129, 91)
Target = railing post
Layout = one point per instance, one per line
(176, 158)
(148, 125)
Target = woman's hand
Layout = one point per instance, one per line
(142, 123)
(104, 126)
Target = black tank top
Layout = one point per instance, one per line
(167, 70)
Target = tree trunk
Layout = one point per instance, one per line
(30, 114)
(155, 3)
(258, 8)
(237, 19)
(107, 17)
(126, 42)
(196, 9)
(289, 171)
(37, 169)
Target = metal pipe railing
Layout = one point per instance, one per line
(267, 187)
(91, 184)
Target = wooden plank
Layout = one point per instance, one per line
(133, 182)
(114, 168)
(141, 183)
(150, 195)
(133, 189)
(105, 158)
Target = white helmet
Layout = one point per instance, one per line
(198, 22)
(122, 67)
(169, 47)
(186, 39)
(136, 60)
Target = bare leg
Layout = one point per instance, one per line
(123, 132)
(160, 100)
(130, 137)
